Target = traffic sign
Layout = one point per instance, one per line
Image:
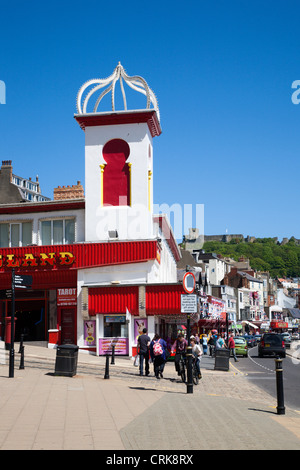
(23, 281)
(189, 282)
(188, 303)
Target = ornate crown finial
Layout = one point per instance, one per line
(137, 83)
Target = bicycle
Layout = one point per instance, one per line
(182, 368)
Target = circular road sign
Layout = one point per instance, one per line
(189, 282)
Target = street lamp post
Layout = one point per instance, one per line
(227, 332)
(12, 328)
(189, 355)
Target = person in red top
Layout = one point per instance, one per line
(231, 346)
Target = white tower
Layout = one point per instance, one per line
(118, 160)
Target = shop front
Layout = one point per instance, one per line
(115, 334)
(278, 326)
(39, 314)
(47, 311)
(119, 315)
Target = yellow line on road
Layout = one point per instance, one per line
(238, 371)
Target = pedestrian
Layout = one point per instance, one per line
(197, 353)
(143, 351)
(220, 344)
(204, 344)
(212, 345)
(179, 347)
(231, 346)
(158, 347)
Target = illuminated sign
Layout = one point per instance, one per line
(63, 258)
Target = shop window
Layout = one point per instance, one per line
(116, 177)
(57, 232)
(115, 326)
(15, 234)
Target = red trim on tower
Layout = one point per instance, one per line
(121, 117)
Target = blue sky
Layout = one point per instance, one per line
(222, 72)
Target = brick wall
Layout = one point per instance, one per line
(69, 192)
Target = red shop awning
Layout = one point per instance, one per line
(160, 299)
(164, 299)
(113, 300)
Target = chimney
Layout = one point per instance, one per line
(6, 170)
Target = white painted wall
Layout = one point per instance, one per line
(133, 222)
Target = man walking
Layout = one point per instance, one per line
(143, 351)
(231, 346)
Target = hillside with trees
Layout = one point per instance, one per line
(265, 254)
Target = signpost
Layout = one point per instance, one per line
(17, 282)
(188, 306)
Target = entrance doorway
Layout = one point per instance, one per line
(68, 325)
(31, 314)
(30, 320)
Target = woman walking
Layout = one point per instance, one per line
(158, 348)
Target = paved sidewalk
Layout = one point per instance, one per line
(126, 412)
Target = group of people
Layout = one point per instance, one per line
(159, 353)
(218, 342)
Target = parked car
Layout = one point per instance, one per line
(251, 342)
(287, 339)
(241, 348)
(295, 336)
(270, 344)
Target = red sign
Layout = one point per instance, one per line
(278, 324)
(82, 255)
(189, 282)
(66, 297)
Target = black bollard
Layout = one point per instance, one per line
(21, 343)
(189, 357)
(22, 358)
(113, 355)
(279, 385)
(106, 376)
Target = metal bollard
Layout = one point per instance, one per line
(106, 376)
(113, 355)
(22, 358)
(279, 385)
(21, 343)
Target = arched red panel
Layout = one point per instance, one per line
(116, 177)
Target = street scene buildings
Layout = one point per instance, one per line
(103, 264)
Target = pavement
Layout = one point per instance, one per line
(125, 412)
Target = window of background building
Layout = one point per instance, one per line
(15, 234)
(57, 232)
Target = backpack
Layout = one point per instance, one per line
(157, 349)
